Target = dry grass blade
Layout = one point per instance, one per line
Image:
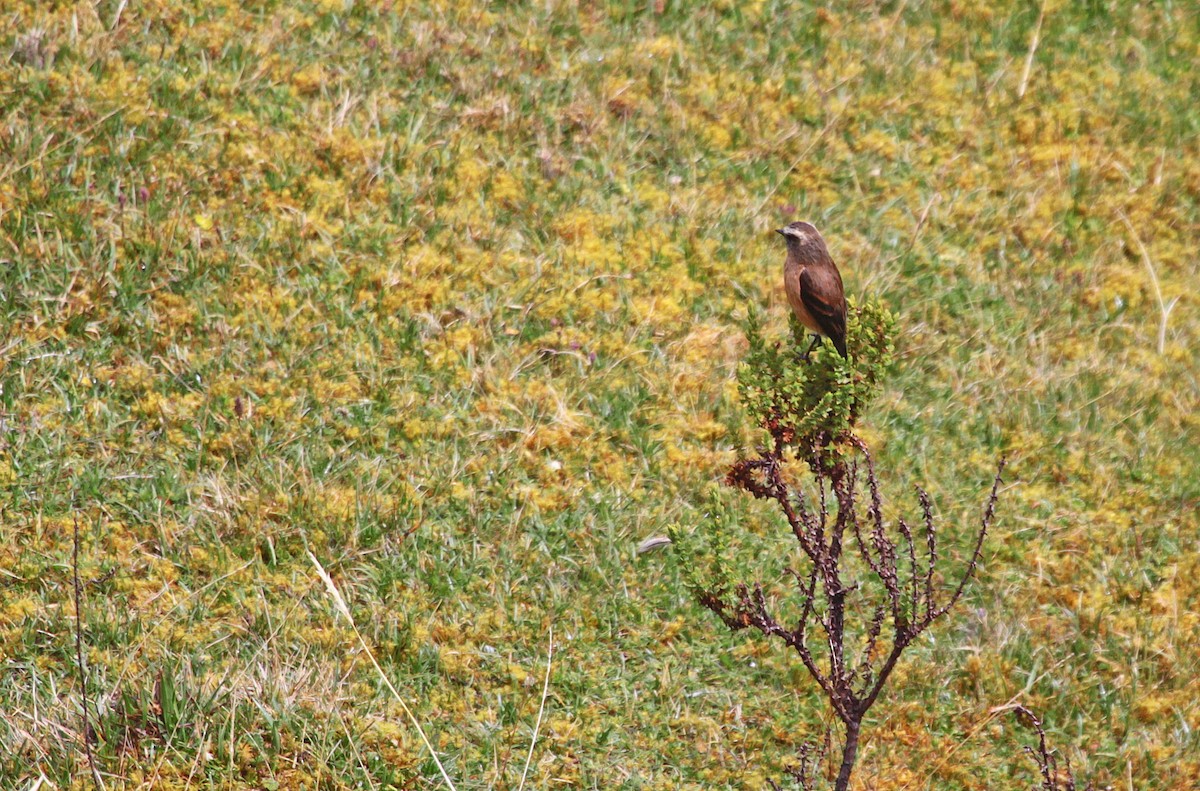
(340, 604)
(816, 140)
(1164, 310)
(653, 543)
(1033, 45)
(83, 676)
(541, 708)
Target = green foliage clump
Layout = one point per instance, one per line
(799, 400)
(810, 404)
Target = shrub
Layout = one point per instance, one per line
(868, 586)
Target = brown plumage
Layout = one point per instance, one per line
(814, 285)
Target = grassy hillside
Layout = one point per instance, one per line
(452, 296)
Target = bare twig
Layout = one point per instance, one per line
(804, 774)
(975, 729)
(989, 512)
(1052, 778)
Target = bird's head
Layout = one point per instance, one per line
(800, 231)
(804, 242)
(803, 239)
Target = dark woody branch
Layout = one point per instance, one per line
(844, 661)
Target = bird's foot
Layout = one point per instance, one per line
(816, 341)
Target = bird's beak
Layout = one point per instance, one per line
(781, 231)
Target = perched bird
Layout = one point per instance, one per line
(814, 286)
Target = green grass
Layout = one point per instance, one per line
(452, 298)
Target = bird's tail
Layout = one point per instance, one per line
(840, 345)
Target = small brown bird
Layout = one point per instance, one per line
(814, 286)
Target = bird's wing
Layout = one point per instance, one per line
(822, 294)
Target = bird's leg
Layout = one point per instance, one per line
(816, 341)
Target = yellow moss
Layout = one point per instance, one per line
(18, 611)
(310, 79)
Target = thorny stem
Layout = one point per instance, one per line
(1044, 757)
(852, 688)
(988, 513)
